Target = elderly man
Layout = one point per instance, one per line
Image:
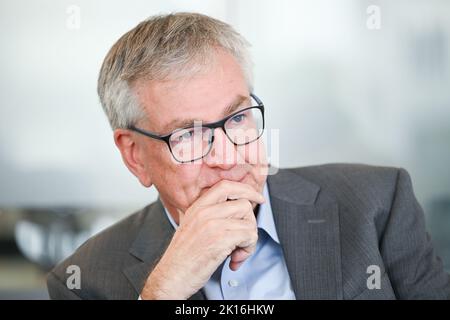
(178, 93)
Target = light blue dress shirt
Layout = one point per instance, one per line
(263, 275)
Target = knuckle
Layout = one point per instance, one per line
(244, 205)
(211, 251)
(240, 203)
(218, 248)
(223, 184)
(255, 237)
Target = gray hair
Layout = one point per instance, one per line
(160, 48)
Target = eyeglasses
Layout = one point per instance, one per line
(193, 143)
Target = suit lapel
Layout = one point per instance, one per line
(307, 223)
(149, 245)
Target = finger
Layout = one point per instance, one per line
(243, 239)
(235, 265)
(238, 209)
(221, 227)
(231, 229)
(238, 257)
(225, 190)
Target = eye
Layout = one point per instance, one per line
(185, 135)
(238, 118)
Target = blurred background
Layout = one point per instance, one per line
(348, 81)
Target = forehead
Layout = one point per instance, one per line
(203, 96)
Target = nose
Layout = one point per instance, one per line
(223, 152)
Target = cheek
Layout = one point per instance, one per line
(255, 156)
(178, 184)
(182, 180)
(188, 174)
(253, 153)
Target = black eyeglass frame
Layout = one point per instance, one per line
(213, 125)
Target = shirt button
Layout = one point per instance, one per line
(233, 283)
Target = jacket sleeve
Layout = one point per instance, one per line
(58, 291)
(414, 269)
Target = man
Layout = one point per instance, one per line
(177, 90)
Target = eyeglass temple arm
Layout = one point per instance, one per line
(149, 134)
(256, 99)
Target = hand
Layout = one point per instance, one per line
(209, 231)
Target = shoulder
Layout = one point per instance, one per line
(360, 174)
(371, 183)
(104, 254)
(364, 193)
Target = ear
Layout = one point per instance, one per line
(132, 155)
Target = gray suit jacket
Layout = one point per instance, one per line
(333, 221)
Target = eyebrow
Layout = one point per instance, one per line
(183, 123)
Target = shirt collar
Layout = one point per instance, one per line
(264, 219)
